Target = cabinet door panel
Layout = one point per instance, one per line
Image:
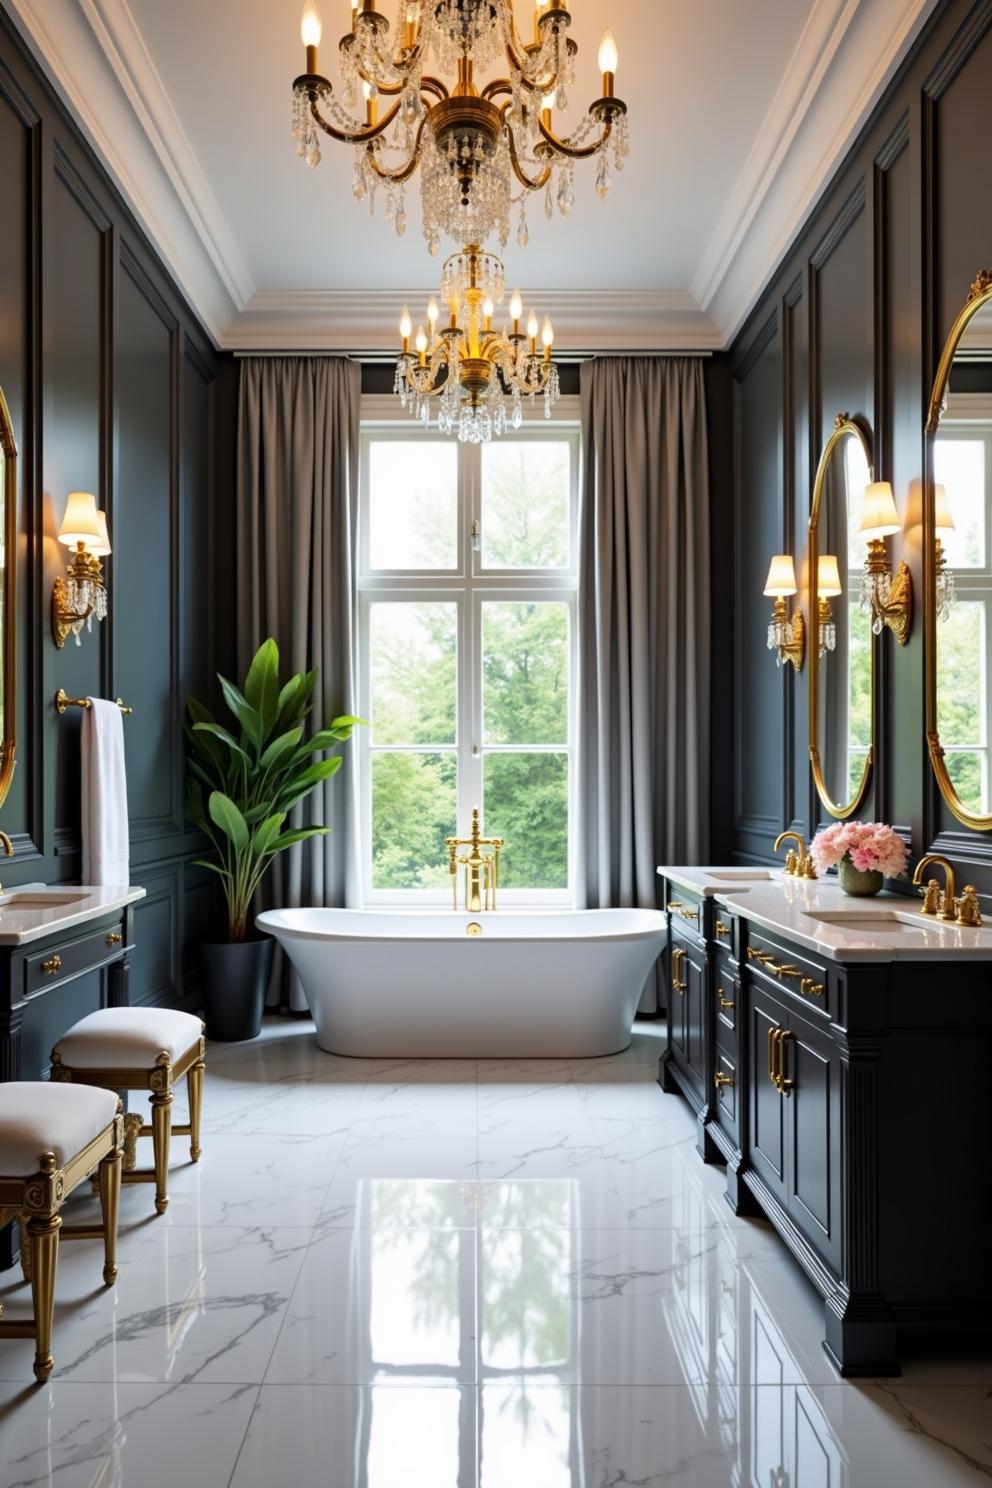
(814, 1168)
(694, 972)
(767, 1143)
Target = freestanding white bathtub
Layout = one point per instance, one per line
(540, 985)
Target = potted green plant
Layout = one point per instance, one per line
(241, 785)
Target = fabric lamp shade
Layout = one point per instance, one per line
(100, 546)
(943, 520)
(781, 576)
(879, 517)
(81, 520)
(828, 583)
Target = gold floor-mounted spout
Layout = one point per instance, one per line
(481, 866)
(797, 864)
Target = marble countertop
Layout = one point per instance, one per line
(33, 911)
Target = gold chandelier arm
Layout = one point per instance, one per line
(581, 152)
(405, 171)
(518, 169)
(496, 88)
(362, 135)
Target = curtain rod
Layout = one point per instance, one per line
(386, 357)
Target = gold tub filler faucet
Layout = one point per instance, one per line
(481, 864)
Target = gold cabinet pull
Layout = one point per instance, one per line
(675, 906)
(753, 955)
(722, 930)
(782, 969)
(52, 966)
(721, 1080)
(114, 938)
(678, 985)
(725, 1002)
(777, 1039)
(809, 988)
(772, 1067)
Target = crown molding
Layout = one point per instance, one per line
(107, 104)
(366, 320)
(789, 170)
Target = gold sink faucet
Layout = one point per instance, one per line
(482, 875)
(933, 903)
(8, 849)
(797, 864)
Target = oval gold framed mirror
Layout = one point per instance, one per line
(957, 553)
(8, 598)
(841, 643)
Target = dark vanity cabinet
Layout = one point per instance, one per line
(849, 1103)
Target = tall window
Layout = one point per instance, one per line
(467, 581)
(963, 465)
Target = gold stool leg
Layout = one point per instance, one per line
(161, 1131)
(133, 1123)
(110, 1204)
(43, 1236)
(25, 1247)
(194, 1089)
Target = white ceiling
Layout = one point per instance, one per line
(739, 113)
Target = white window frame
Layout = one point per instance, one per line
(468, 585)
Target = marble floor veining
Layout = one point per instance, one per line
(457, 1274)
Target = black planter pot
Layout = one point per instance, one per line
(234, 979)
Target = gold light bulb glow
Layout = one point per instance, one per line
(547, 332)
(608, 55)
(310, 25)
(532, 326)
(516, 305)
(406, 324)
(421, 341)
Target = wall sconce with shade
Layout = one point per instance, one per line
(81, 595)
(943, 522)
(786, 637)
(888, 598)
(828, 587)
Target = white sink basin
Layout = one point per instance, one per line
(743, 875)
(38, 899)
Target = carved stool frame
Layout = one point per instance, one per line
(159, 1079)
(36, 1201)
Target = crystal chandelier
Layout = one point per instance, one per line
(469, 146)
(478, 375)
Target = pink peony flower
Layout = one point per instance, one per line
(872, 847)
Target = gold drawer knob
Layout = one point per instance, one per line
(721, 1080)
(725, 1002)
(722, 930)
(809, 988)
(114, 938)
(52, 965)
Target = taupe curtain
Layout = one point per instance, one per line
(297, 512)
(644, 605)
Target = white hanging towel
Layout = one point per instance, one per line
(106, 851)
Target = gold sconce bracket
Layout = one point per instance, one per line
(793, 649)
(897, 612)
(63, 618)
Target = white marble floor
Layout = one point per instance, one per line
(389, 1274)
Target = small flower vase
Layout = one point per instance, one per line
(856, 883)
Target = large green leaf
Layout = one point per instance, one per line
(347, 721)
(262, 683)
(249, 719)
(214, 868)
(294, 700)
(266, 834)
(280, 749)
(301, 834)
(227, 816)
(228, 739)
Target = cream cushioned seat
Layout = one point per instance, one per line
(39, 1116)
(127, 1038)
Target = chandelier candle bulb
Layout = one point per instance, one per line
(406, 329)
(310, 33)
(547, 337)
(516, 311)
(488, 311)
(532, 330)
(608, 59)
(421, 344)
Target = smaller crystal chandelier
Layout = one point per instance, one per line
(479, 375)
(947, 589)
(80, 597)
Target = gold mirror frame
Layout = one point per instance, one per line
(979, 296)
(8, 738)
(843, 427)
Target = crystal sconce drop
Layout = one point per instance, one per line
(81, 595)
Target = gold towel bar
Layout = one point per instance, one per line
(63, 701)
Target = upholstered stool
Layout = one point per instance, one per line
(51, 1138)
(140, 1049)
